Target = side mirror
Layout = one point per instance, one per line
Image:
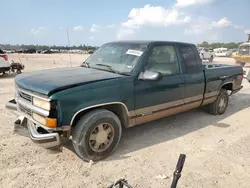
(150, 75)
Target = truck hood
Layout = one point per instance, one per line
(50, 81)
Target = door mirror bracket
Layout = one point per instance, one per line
(150, 75)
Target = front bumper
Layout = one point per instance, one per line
(46, 140)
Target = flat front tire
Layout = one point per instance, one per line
(220, 105)
(96, 135)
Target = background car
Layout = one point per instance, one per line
(4, 64)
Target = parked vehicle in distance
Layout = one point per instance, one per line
(122, 84)
(242, 56)
(4, 64)
(207, 54)
(222, 53)
(47, 52)
(29, 51)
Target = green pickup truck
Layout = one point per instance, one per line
(122, 84)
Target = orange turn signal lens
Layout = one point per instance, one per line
(51, 122)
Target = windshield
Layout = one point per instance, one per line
(244, 50)
(119, 57)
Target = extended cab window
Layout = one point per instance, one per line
(189, 59)
(163, 59)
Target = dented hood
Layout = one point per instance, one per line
(50, 81)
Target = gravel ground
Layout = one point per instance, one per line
(217, 147)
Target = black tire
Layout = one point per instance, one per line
(242, 64)
(215, 108)
(211, 59)
(84, 128)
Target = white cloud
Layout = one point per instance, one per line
(186, 3)
(36, 31)
(203, 25)
(238, 27)
(157, 16)
(151, 16)
(154, 16)
(111, 26)
(91, 38)
(223, 22)
(198, 26)
(95, 28)
(78, 28)
(123, 33)
(247, 31)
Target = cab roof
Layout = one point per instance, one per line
(147, 42)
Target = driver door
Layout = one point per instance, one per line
(157, 99)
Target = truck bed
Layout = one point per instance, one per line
(218, 74)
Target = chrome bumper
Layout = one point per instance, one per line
(46, 140)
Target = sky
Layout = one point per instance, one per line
(94, 22)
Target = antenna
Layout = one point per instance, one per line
(69, 48)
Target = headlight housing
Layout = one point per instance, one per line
(48, 122)
(39, 118)
(41, 103)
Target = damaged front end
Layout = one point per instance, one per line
(35, 118)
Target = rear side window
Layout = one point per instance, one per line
(1, 51)
(189, 59)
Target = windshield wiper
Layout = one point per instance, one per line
(108, 66)
(85, 64)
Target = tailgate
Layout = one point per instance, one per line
(4, 63)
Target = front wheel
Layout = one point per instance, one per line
(96, 135)
(220, 105)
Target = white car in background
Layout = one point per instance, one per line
(4, 64)
(222, 53)
(206, 54)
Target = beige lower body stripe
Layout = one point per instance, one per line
(155, 112)
(165, 113)
(151, 109)
(192, 99)
(211, 94)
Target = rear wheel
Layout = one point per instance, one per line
(220, 105)
(241, 63)
(211, 59)
(96, 135)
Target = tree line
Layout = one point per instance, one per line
(230, 45)
(46, 47)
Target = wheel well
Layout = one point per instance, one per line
(117, 109)
(228, 86)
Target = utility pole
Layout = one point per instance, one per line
(69, 48)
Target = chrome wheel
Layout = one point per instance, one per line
(101, 137)
(222, 103)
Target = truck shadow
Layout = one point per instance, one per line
(166, 129)
(8, 75)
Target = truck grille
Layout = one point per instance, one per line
(24, 103)
(25, 110)
(25, 96)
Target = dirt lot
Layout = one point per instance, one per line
(217, 147)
